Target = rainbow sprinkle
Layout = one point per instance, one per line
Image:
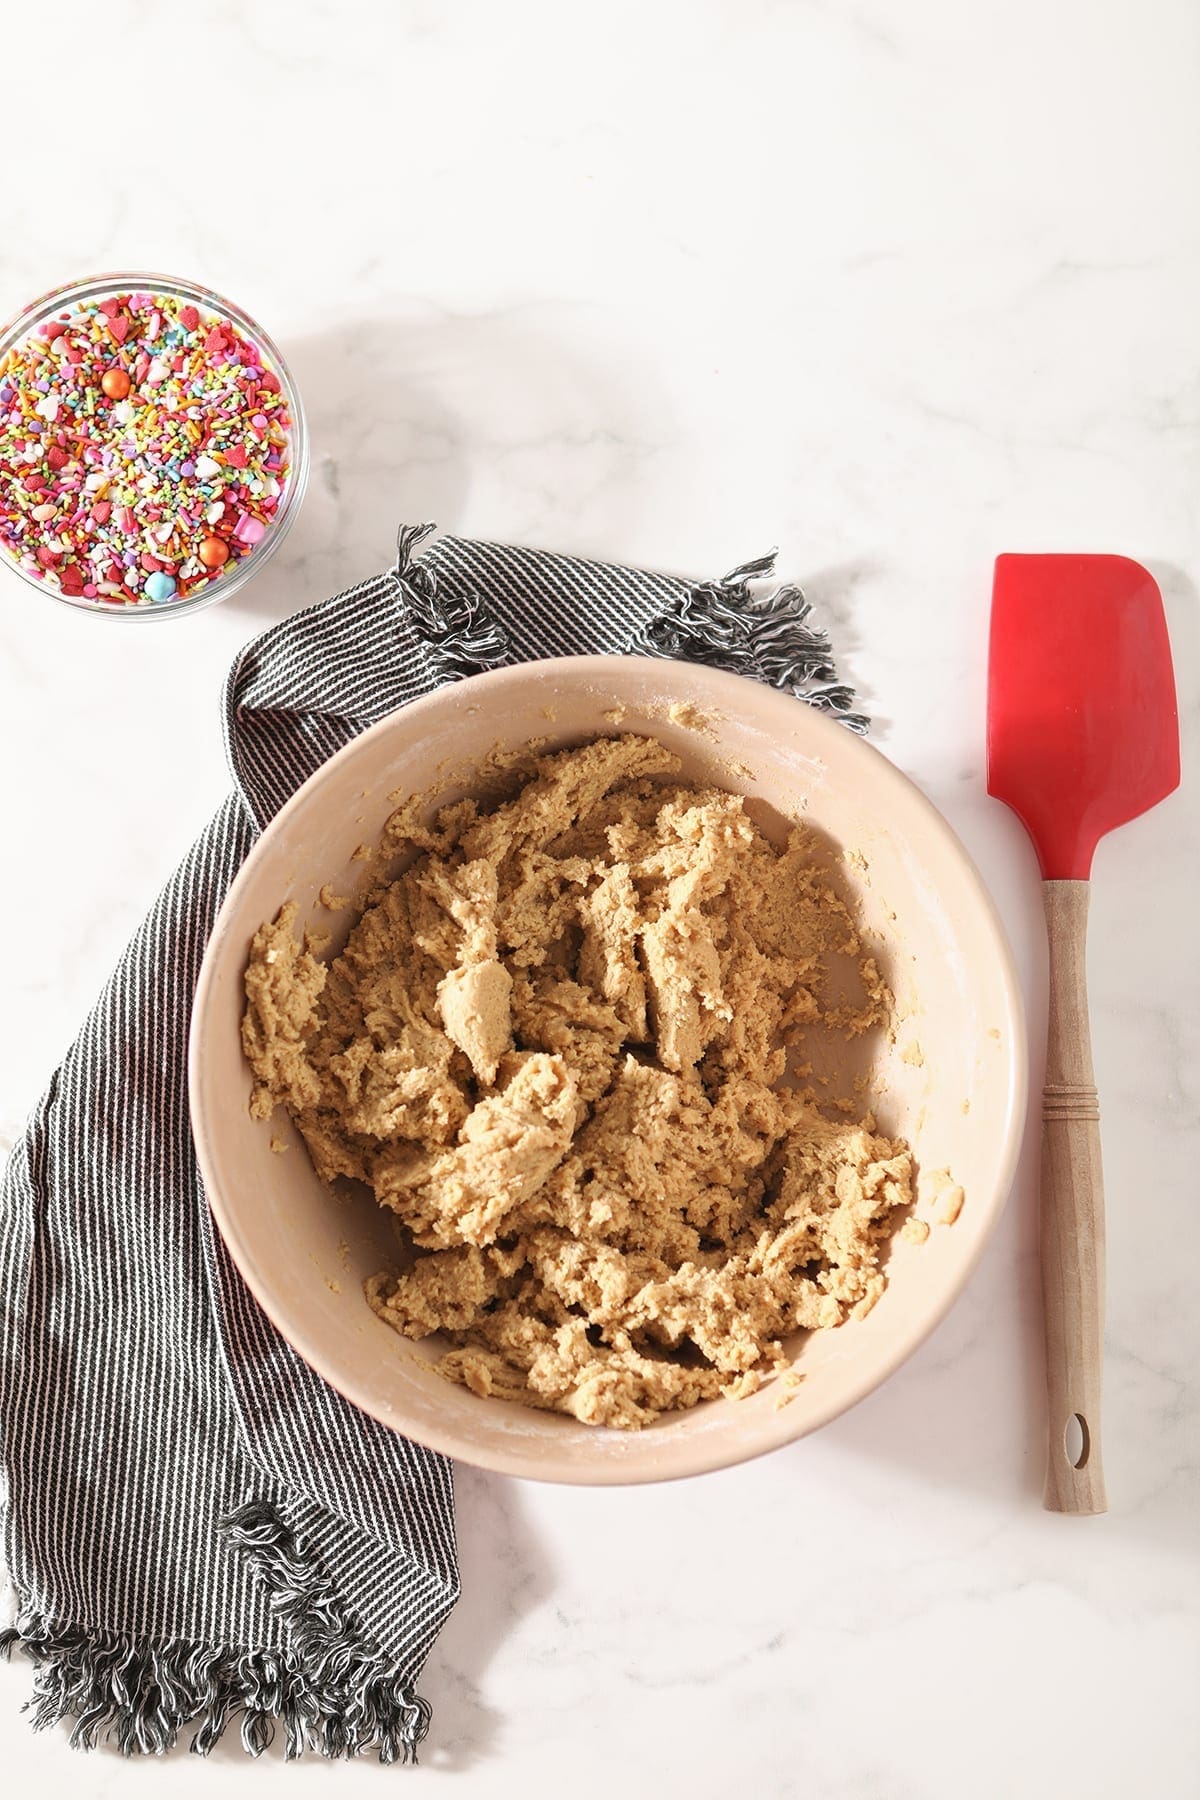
(144, 450)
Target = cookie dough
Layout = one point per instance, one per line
(561, 1045)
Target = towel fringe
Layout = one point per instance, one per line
(458, 630)
(722, 623)
(331, 1693)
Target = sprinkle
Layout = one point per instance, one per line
(214, 551)
(135, 435)
(160, 586)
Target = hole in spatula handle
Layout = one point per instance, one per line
(1076, 1441)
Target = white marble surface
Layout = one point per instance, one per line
(897, 287)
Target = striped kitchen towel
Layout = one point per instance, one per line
(196, 1527)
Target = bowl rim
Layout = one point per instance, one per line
(705, 1454)
(81, 287)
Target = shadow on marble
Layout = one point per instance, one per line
(505, 1575)
(832, 591)
(407, 416)
(935, 1422)
(967, 1411)
(385, 448)
(1181, 603)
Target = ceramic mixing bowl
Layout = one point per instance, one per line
(950, 1077)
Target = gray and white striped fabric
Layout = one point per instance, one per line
(196, 1527)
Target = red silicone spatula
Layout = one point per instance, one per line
(1082, 735)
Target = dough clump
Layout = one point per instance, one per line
(557, 1046)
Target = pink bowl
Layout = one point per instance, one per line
(951, 1077)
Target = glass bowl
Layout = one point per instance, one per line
(138, 537)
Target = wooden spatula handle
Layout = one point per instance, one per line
(1072, 1214)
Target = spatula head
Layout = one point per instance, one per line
(1083, 732)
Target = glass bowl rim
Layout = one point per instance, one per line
(81, 288)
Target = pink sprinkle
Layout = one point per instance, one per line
(251, 531)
